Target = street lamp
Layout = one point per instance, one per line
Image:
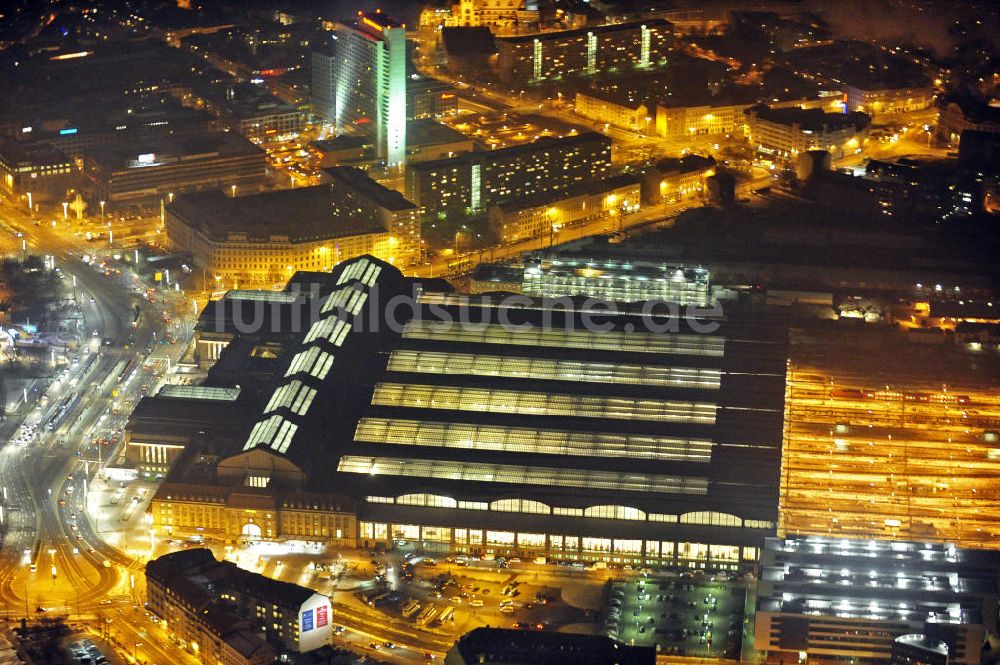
(31, 208)
(65, 210)
(233, 189)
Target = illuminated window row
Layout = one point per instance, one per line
(293, 395)
(348, 299)
(262, 296)
(613, 340)
(332, 328)
(711, 518)
(276, 432)
(541, 404)
(526, 440)
(362, 270)
(434, 362)
(409, 467)
(534, 290)
(313, 361)
(559, 545)
(613, 512)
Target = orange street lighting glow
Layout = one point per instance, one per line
(72, 56)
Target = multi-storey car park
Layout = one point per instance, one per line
(457, 423)
(846, 600)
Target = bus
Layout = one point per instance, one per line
(410, 608)
(427, 615)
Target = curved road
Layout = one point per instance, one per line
(43, 508)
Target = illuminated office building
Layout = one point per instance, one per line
(542, 437)
(358, 197)
(265, 238)
(882, 99)
(785, 133)
(214, 161)
(478, 180)
(550, 56)
(369, 82)
(35, 167)
(543, 215)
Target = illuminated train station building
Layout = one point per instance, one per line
(455, 423)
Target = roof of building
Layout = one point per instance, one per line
(318, 355)
(526, 410)
(341, 142)
(924, 642)
(973, 308)
(199, 392)
(243, 100)
(198, 566)
(16, 153)
(244, 642)
(177, 564)
(972, 328)
(543, 143)
(271, 319)
(579, 32)
(468, 41)
(686, 164)
(184, 411)
(500, 645)
(301, 214)
(867, 578)
(383, 21)
(975, 109)
(428, 131)
(221, 619)
(261, 295)
(809, 119)
(495, 272)
(177, 150)
(283, 594)
(361, 184)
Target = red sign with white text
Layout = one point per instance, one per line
(322, 616)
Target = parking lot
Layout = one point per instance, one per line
(684, 616)
(456, 597)
(503, 129)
